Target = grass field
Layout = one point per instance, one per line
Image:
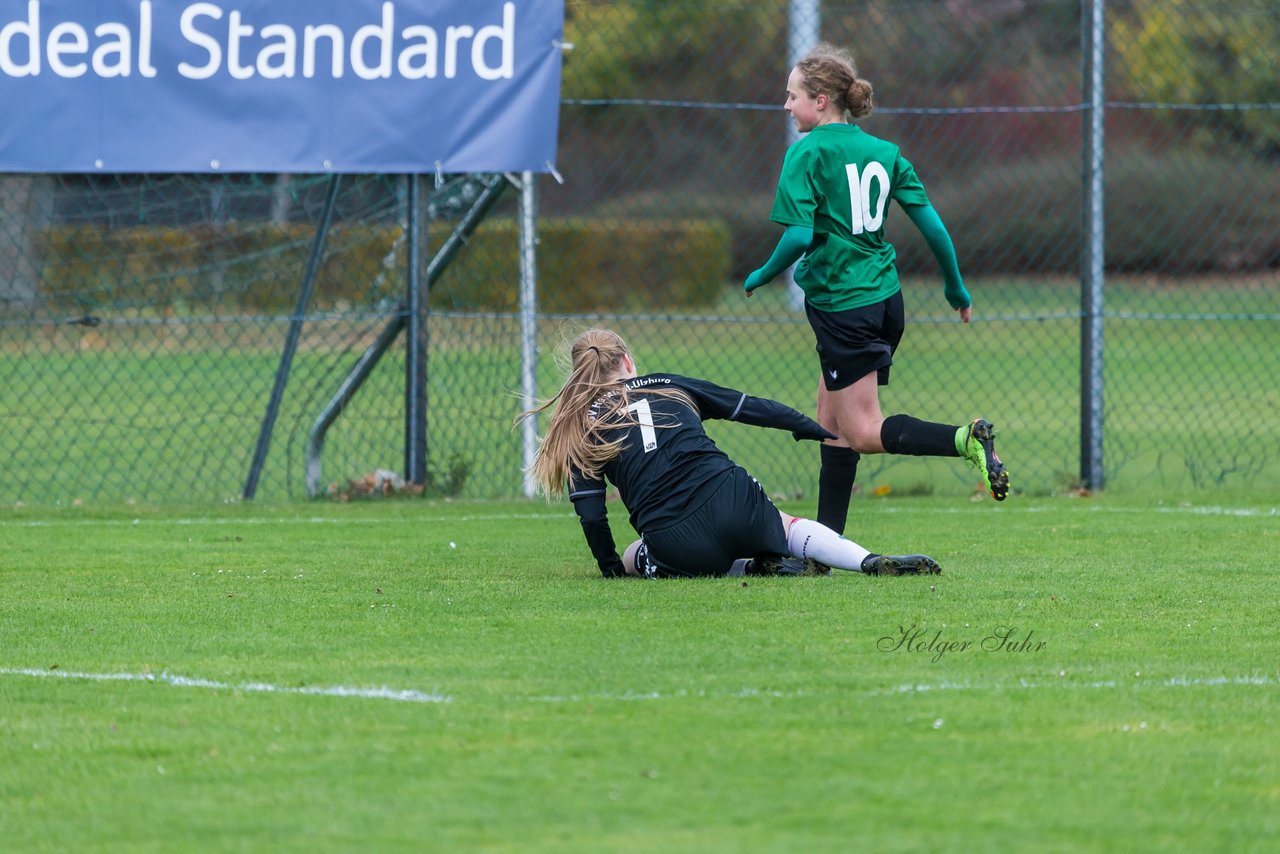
(1090, 674)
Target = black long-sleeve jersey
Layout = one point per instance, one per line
(668, 466)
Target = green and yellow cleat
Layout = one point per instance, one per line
(977, 444)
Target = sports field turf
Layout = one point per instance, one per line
(1087, 674)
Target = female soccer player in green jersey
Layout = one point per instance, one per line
(832, 199)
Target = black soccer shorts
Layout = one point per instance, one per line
(857, 341)
(737, 521)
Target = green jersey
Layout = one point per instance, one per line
(838, 180)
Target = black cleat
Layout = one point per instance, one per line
(901, 565)
(778, 565)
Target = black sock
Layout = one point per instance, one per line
(902, 434)
(835, 485)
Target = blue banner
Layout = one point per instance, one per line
(403, 86)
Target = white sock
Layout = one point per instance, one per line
(809, 539)
(738, 568)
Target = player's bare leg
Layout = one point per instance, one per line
(853, 413)
(629, 558)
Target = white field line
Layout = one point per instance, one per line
(284, 520)
(413, 696)
(399, 695)
(1102, 684)
(679, 694)
(1208, 510)
(1192, 510)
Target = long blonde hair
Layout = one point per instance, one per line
(575, 440)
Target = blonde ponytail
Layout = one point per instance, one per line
(575, 441)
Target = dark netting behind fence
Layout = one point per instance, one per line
(145, 318)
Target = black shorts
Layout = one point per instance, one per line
(737, 521)
(855, 342)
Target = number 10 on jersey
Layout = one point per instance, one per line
(864, 218)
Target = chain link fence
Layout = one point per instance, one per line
(144, 319)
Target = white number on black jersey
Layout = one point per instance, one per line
(864, 219)
(644, 415)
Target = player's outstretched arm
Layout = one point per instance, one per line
(790, 249)
(763, 412)
(935, 234)
(728, 404)
(590, 507)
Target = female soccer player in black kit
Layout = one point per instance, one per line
(698, 513)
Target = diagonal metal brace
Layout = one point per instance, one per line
(488, 188)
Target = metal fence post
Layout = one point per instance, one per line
(528, 323)
(1092, 270)
(415, 365)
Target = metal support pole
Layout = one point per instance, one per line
(804, 27)
(528, 323)
(1092, 266)
(416, 333)
(291, 341)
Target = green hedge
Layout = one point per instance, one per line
(583, 265)
(589, 264)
